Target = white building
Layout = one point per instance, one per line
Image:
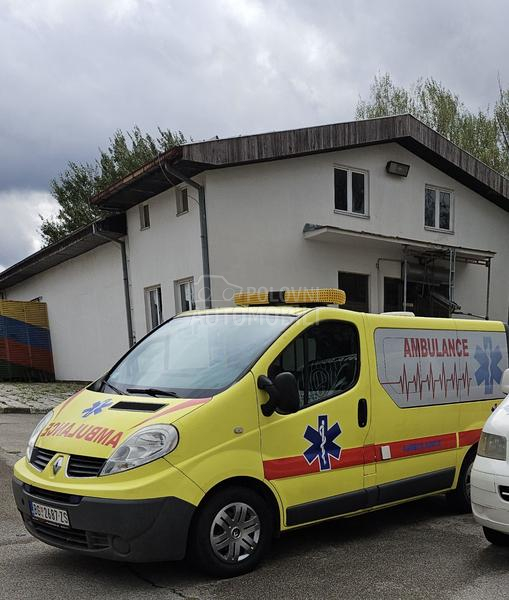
(324, 206)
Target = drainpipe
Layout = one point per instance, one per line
(203, 228)
(125, 273)
(405, 279)
(488, 289)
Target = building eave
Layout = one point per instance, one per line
(405, 130)
(78, 242)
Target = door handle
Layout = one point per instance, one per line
(362, 412)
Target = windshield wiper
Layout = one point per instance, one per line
(152, 392)
(116, 390)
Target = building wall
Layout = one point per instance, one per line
(166, 252)
(86, 311)
(256, 214)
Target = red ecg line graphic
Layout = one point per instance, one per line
(443, 382)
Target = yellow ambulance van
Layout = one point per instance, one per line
(222, 428)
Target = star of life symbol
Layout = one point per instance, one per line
(96, 408)
(322, 443)
(488, 359)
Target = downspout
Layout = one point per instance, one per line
(125, 273)
(488, 289)
(203, 228)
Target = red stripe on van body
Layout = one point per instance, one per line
(293, 466)
(467, 438)
(417, 446)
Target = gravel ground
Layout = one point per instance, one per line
(35, 398)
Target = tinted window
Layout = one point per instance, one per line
(429, 208)
(324, 360)
(358, 193)
(445, 210)
(340, 189)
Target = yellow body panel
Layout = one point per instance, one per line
(227, 436)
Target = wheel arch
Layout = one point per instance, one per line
(255, 485)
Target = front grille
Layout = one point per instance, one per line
(52, 496)
(41, 457)
(84, 466)
(78, 466)
(70, 538)
(504, 492)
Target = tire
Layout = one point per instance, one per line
(459, 499)
(497, 538)
(232, 532)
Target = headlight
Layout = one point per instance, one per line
(35, 433)
(492, 446)
(142, 447)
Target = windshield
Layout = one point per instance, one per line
(197, 356)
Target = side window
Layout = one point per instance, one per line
(182, 201)
(144, 216)
(324, 360)
(153, 307)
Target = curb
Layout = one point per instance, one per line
(22, 410)
(15, 410)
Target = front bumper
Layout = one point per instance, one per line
(488, 506)
(126, 530)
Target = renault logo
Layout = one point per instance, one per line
(57, 465)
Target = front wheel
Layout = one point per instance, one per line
(232, 532)
(497, 538)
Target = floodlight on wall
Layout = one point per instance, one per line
(396, 168)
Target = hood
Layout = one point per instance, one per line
(95, 424)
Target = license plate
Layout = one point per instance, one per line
(57, 516)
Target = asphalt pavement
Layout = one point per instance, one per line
(417, 551)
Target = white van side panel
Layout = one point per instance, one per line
(426, 367)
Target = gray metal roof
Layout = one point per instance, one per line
(91, 236)
(405, 130)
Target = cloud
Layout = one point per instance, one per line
(19, 229)
(74, 72)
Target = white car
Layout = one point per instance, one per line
(490, 474)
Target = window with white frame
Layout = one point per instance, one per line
(153, 306)
(438, 205)
(351, 191)
(144, 216)
(182, 201)
(184, 295)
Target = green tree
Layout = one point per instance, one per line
(79, 182)
(484, 133)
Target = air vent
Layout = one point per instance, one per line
(52, 496)
(84, 466)
(66, 536)
(137, 406)
(504, 492)
(41, 457)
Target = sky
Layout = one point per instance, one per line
(74, 71)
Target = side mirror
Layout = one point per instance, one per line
(504, 383)
(283, 393)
